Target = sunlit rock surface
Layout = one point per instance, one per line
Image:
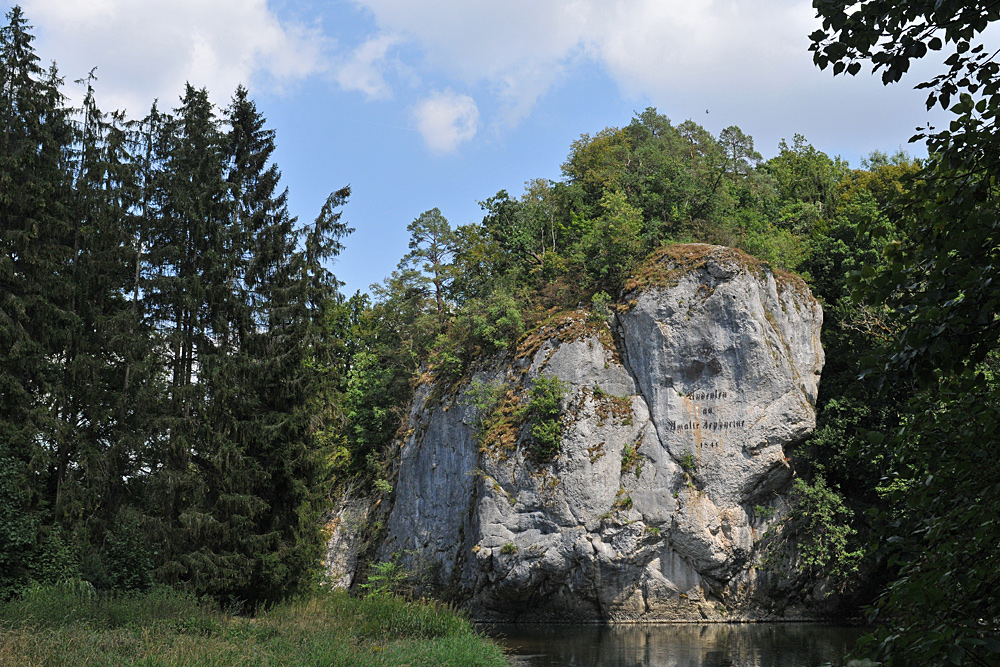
(679, 409)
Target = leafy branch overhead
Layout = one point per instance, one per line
(938, 294)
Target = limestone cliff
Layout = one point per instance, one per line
(679, 406)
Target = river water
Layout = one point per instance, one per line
(683, 645)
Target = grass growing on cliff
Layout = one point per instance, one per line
(74, 626)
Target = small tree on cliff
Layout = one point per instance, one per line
(432, 247)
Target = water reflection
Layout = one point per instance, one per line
(715, 645)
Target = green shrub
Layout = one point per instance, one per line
(485, 398)
(496, 323)
(128, 556)
(544, 413)
(445, 360)
(631, 459)
(384, 579)
(599, 311)
(821, 524)
(764, 512)
(58, 560)
(18, 528)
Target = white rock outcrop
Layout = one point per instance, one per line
(676, 419)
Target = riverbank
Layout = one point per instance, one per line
(74, 626)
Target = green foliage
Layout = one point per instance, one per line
(479, 328)
(820, 521)
(938, 285)
(763, 512)
(623, 501)
(432, 247)
(485, 397)
(544, 414)
(942, 489)
(806, 181)
(850, 409)
(128, 557)
(599, 310)
(18, 529)
(161, 344)
(370, 403)
(631, 459)
(445, 360)
(508, 549)
(386, 578)
(492, 325)
(627, 190)
(57, 560)
(689, 463)
(612, 247)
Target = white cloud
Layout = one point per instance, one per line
(146, 49)
(665, 45)
(652, 48)
(364, 70)
(446, 120)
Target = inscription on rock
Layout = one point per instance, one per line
(707, 419)
(705, 425)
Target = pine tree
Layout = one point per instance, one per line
(170, 353)
(432, 246)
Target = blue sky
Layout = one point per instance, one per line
(440, 103)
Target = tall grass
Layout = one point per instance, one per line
(75, 626)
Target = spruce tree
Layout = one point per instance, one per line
(240, 309)
(170, 354)
(101, 417)
(35, 137)
(184, 295)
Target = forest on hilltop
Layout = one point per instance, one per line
(184, 388)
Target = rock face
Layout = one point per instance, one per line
(676, 414)
(346, 527)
